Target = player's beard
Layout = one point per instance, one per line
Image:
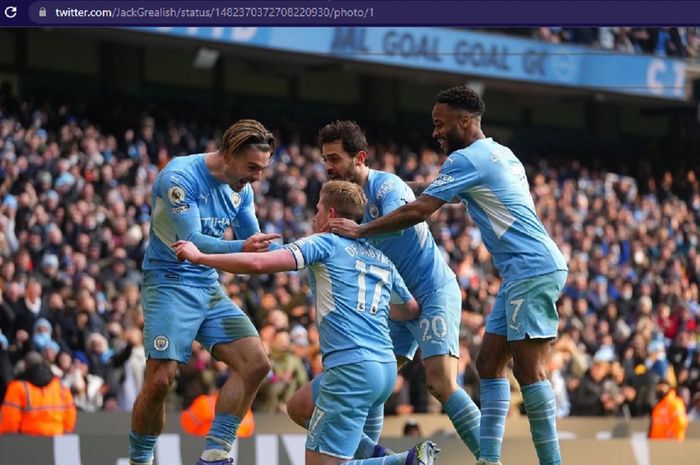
(451, 142)
(335, 176)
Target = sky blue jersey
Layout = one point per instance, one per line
(353, 284)
(491, 182)
(189, 204)
(413, 251)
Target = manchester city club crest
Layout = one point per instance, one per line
(176, 194)
(373, 211)
(160, 343)
(236, 199)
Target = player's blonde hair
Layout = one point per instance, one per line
(244, 134)
(347, 198)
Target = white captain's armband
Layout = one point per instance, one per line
(298, 256)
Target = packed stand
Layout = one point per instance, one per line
(683, 42)
(74, 225)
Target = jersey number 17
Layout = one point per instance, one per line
(379, 277)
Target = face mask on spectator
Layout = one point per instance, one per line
(41, 340)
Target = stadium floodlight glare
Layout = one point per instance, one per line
(205, 58)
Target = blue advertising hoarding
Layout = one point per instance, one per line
(475, 54)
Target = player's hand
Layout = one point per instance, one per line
(343, 227)
(404, 312)
(259, 242)
(185, 250)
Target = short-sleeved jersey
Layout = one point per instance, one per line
(413, 251)
(492, 183)
(353, 284)
(190, 204)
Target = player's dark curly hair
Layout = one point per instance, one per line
(244, 134)
(462, 98)
(348, 132)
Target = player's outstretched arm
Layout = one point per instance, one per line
(405, 312)
(410, 214)
(417, 186)
(240, 263)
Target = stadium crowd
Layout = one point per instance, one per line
(74, 220)
(660, 41)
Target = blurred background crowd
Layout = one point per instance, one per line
(660, 41)
(74, 220)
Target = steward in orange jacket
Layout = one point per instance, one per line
(668, 418)
(198, 417)
(37, 403)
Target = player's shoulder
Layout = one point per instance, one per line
(317, 239)
(181, 169)
(486, 151)
(378, 177)
(183, 163)
(382, 183)
(483, 155)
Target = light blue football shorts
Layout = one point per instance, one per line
(346, 396)
(436, 330)
(177, 314)
(526, 308)
(374, 416)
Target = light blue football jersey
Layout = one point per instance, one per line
(353, 284)
(492, 183)
(413, 251)
(188, 203)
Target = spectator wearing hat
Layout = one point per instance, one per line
(88, 390)
(657, 363)
(286, 376)
(37, 403)
(668, 419)
(50, 279)
(50, 354)
(597, 394)
(99, 356)
(41, 336)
